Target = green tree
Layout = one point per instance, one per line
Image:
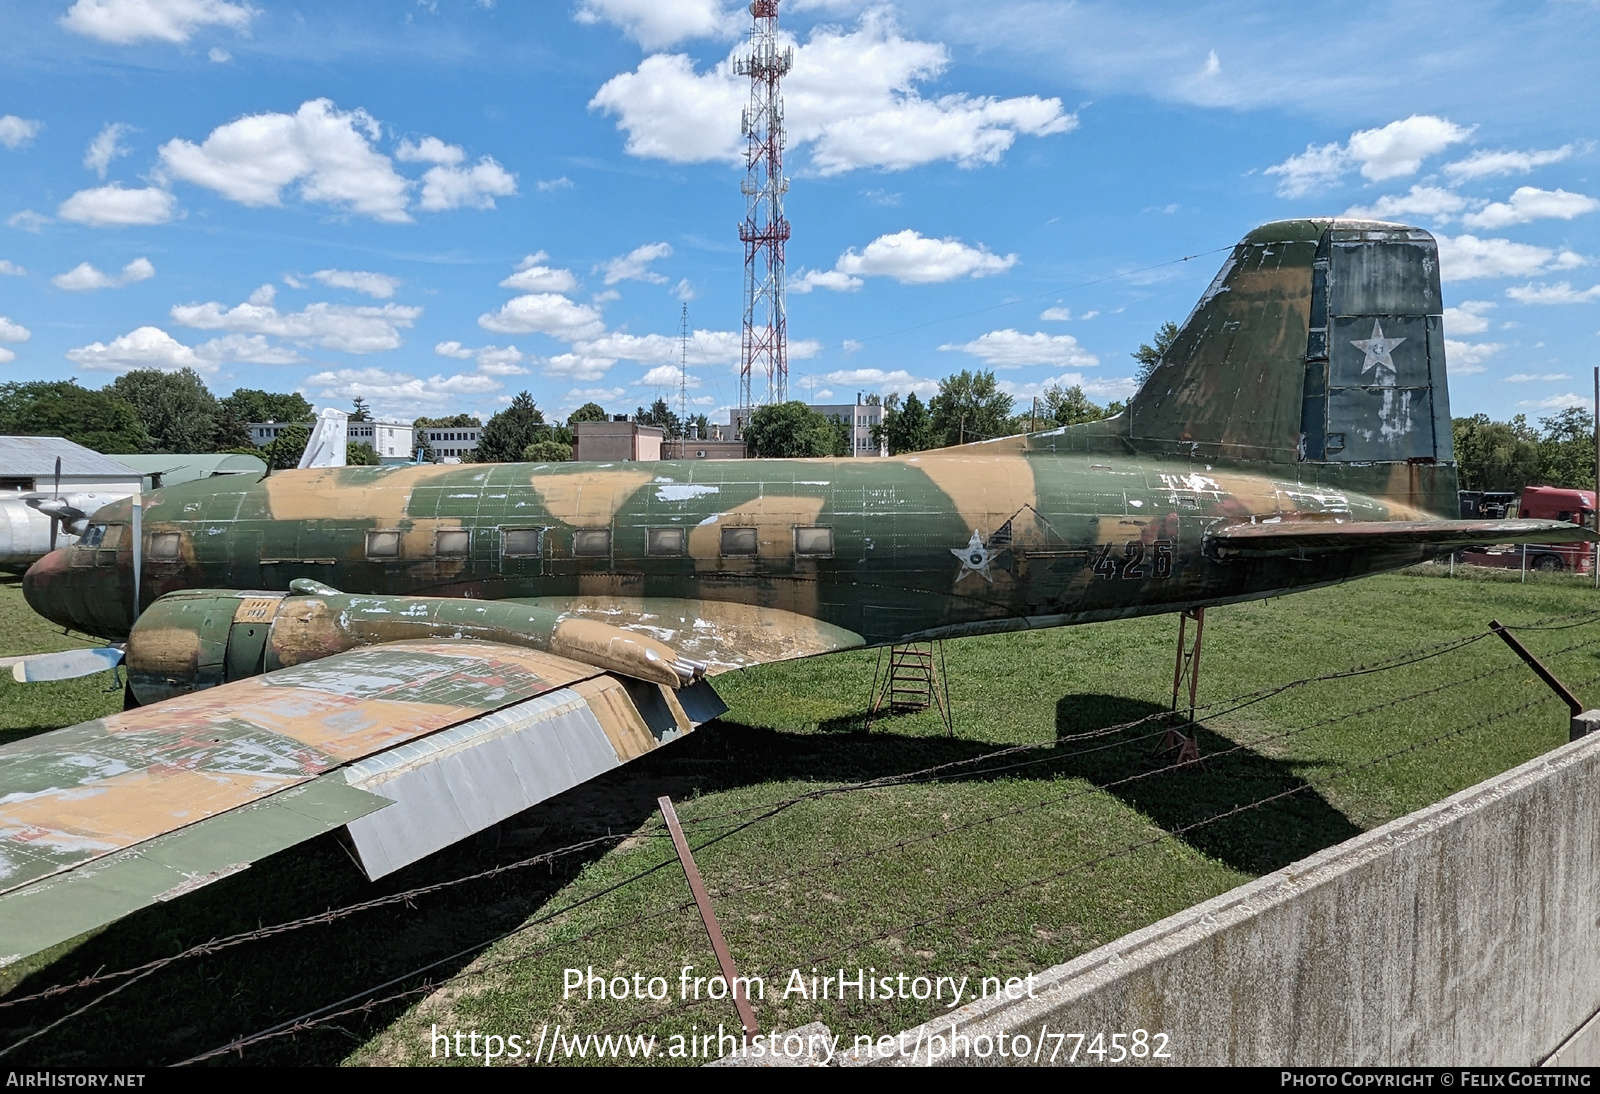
(661, 416)
(1566, 451)
(588, 412)
(229, 431)
(969, 407)
(358, 454)
(285, 452)
(550, 451)
(1496, 455)
(359, 411)
(177, 409)
(1149, 354)
(905, 428)
(792, 430)
(511, 431)
(253, 405)
(100, 420)
(1068, 406)
(454, 421)
(700, 424)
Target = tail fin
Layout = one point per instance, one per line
(1319, 342)
(326, 448)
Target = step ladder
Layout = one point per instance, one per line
(914, 682)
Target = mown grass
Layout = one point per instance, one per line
(997, 873)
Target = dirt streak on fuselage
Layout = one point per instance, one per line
(997, 536)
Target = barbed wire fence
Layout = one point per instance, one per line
(714, 828)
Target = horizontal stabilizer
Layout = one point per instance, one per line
(66, 665)
(1311, 537)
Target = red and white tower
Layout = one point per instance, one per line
(764, 229)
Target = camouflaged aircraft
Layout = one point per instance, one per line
(412, 654)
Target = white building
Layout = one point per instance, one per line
(860, 416)
(452, 442)
(391, 439)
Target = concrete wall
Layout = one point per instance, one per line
(1466, 933)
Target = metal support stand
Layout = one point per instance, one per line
(719, 945)
(1186, 667)
(1574, 704)
(916, 680)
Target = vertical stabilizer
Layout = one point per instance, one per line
(328, 440)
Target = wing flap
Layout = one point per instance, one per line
(1294, 537)
(723, 636)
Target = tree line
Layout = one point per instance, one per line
(1494, 455)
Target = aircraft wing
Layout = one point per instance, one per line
(1313, 537)
(408, 745)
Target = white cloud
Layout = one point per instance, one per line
(27, 220)
(545, 313)
(635, 265)
(657, 23)
(1056, 315)
(684, 291)
(1013, 349)
(836, 280)
(106, 146)
(6, 356)
(1531, 203)
(1468, 318)
(452, 349)
(125, 21)
(1465, 358)
(715, 347)
(473, 187)
(13, 332)
(1487, 164)
(1559, 293)
(1464, 257)
(851, 98)
(910, 258)
(1427, 201)
(146, 347)
(1535, 378)
(429, 150)
(16, 132)
(666, 376)
(1391, 151)
(84, 277)
(533, 276)
(1557, 402)
(576, 366)
(547, 185)
(575, 398)
(113, 207)
(399, 394)
(331, 326)
(326, 150)
(1104, 388)
(883, 381)
(9, 268)
(380, 286)
(500, 361)
(219, 56)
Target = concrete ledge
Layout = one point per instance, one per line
(1466, 933)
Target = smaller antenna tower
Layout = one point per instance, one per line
(683, 371)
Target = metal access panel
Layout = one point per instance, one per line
(1375, 380)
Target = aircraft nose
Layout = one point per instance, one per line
(88, 599)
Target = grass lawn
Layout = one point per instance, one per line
(1007, 870)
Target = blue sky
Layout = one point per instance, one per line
(435, 205)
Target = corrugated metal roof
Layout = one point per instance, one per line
(36, 456)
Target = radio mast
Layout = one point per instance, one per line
(764, 230)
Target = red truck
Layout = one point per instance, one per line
(1544, 503)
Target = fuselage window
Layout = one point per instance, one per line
(665, 541)
(739, 541)
(591, 542)
(383, 545)
(520, 543)
(164, 546)
(451, 542)
(109, 540)
(815, 542)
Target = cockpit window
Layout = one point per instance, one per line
(93, 536)
(164, 546)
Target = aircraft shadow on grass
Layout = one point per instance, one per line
(203, 1002)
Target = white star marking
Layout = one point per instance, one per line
(1378, 349)
(974, 558)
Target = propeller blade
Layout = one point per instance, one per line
(67, 665)
(138, 552)
(55, 522)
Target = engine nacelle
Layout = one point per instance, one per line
(199, 638)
